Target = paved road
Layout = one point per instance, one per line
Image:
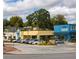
(34, 49)
(42, 56)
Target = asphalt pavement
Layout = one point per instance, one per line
(41, 56)
(42, 52)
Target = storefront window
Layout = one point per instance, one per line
(73, 28)
(64, 28)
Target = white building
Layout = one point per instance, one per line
(8, 35)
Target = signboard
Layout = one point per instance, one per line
(64, 29)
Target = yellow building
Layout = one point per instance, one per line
(36, 34)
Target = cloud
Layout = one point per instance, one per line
(12, 1)
(72, 21)
(25, 7)
(69, 3)
(26, 4)
(62, 10)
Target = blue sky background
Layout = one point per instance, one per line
(25, 7)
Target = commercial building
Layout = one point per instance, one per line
(36, 34)
(66, 32)
(8, 35)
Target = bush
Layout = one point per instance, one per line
(50, 42)
(42, 43)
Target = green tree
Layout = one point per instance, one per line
(25, 24)
(61, 20)
(16, 21)
(53, 21)
(5, 23)
(40, 18)
(58, 20)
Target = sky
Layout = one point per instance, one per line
(25, 7)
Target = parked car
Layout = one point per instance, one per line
(36, 42)
(17, 41)
(26, 41)
(31, 41)
(59, 42)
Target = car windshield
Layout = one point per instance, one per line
(35, 40)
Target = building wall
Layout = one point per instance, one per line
(72, 28)
(8, 34)
(61, 28)
(68, 31)
(65, 28)
(35, 33)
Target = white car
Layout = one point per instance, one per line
(36, 42)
